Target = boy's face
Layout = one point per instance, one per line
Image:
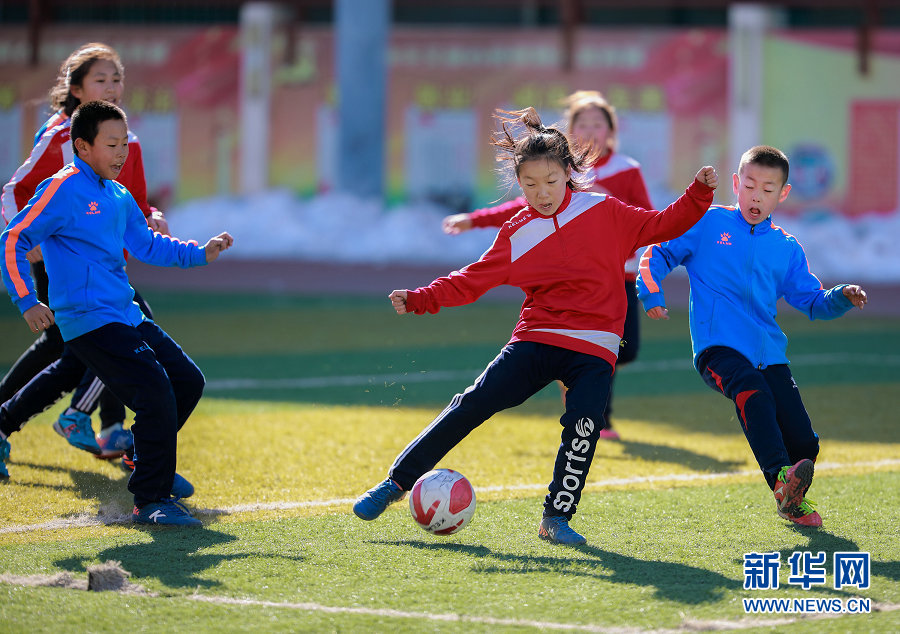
(591, 128)
(110, 149)
(759, 189)
(101, 83)
(543, 182)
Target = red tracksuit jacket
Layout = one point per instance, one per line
(570, 265)
(616, 174)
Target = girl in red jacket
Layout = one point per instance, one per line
(566, 250)
(592, 122)
(93, 72)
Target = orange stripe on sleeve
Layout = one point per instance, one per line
(644, 268)
(34, 212)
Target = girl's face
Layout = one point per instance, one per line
(759, 189)
(591, 127)
(544, 183)
(103, 82)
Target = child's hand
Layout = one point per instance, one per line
(856, 295)
(398, 301)
(456, 224)
(658, 312)
(39, 317)
(34, 256)
(157, 221)
(707, 175)
(216, 245)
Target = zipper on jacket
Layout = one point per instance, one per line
(752, 251)
(562, 243)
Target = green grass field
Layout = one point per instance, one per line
(308, 402)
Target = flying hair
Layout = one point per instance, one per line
(523, 137)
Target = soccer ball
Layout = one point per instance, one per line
(442, 502)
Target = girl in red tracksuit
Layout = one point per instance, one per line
(92, 72)
(592, 122)
(567, 250)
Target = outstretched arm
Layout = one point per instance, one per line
(456, 224)
(803, 290)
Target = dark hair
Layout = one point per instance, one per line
(73, 70)
(766, 156)
(87, 118)
(537, 142)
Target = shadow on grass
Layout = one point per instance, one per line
(823, 541)
(109, 489)
(675, 455)
(672, 581)
(174, 556)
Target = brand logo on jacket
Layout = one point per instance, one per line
(93, 208)
(724, 238)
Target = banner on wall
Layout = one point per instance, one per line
(182, 83)
(669, 87)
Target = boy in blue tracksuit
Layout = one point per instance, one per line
(83, 220)
(739, 265)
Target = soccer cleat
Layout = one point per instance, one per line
(76, 428)
(556, 529)
(608, 433)
(127, 463)
(4, 456)
(803, 514)
(168, 512)
(792, 483)
(114, 441)
(373, 502)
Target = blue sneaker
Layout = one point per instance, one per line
(556, 529)
(114, 441)
(181, 488)
(169, 512)
(373, 502)
(4, 456)
(76, 428)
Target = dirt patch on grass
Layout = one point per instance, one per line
(106, 577)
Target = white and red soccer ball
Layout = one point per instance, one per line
(442, 502)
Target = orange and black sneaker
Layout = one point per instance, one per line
(803, 514)
(792, 483)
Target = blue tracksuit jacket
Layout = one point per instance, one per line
(738, 272)
(83, 223)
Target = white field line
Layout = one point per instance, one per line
(686, 626)
(419, 616)
(106, 518)
(434, 376)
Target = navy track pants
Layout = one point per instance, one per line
(768, 405)
(520, 370)
(152, 376)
